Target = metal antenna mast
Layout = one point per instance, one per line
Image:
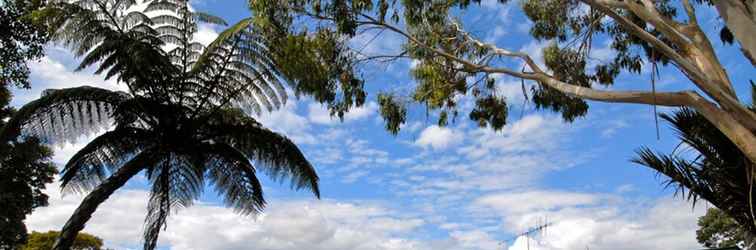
(540, 229)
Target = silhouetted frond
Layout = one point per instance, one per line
(64, 115)
(234, 178)
(249, 74)
(177, 180)
(714, 169)
(271, 152)
(87, 168)
(208, 18)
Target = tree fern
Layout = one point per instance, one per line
(185, 121)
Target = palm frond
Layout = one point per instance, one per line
(714, 169)
(682, 174)
(64, 115)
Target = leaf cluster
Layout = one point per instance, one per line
(21, 40)
(44, 241)
(717, 230)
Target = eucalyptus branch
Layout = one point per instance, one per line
(691, 12)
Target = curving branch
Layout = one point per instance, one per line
(735, 121)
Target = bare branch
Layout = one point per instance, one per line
(499, 51)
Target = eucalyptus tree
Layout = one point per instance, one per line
(185, 120)
(707, 165)
(452, 62)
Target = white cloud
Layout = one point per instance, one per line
(438, 137)
(63, 153)
(296, 224)
(51, 72)
(597, 221)
(287, 121)
(514, 157)
(319, 114)
(206, 34)
(535, 200)
(612, 127)
(669, 224)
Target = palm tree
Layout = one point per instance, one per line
(714, 169)
(185, 120)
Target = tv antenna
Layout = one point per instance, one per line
(540, 229)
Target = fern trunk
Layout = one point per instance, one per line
(88, 206)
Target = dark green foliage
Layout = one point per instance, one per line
(25, 168)
(185, 121)
(316, 61)
(45, 241)
(490, 111)
(569, 66)
(717, 230)
(718, 171)
(392, 112)
(20, 40)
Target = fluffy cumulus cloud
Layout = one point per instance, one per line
(438, 137)
(482, 160)
(595, 221)
(295, 224)
(56, 71)
(319, 114)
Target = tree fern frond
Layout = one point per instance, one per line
(208, 18)
(171, 20)
(171, 39)
(255, 88)
(123, 5)
(177, 181)
(267, 83)
(234, 178)
(169, 30)
(50, 117)
(273, 153)
(135, 18)
(223, 39)
(162, 5)
(88, 167)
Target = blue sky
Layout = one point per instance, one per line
(458, 187)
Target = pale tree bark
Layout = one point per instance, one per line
(90, 203)
(741, 20)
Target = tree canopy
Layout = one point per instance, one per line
(718, 230)
(45, 241)
(20, 40)
(25, 164)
